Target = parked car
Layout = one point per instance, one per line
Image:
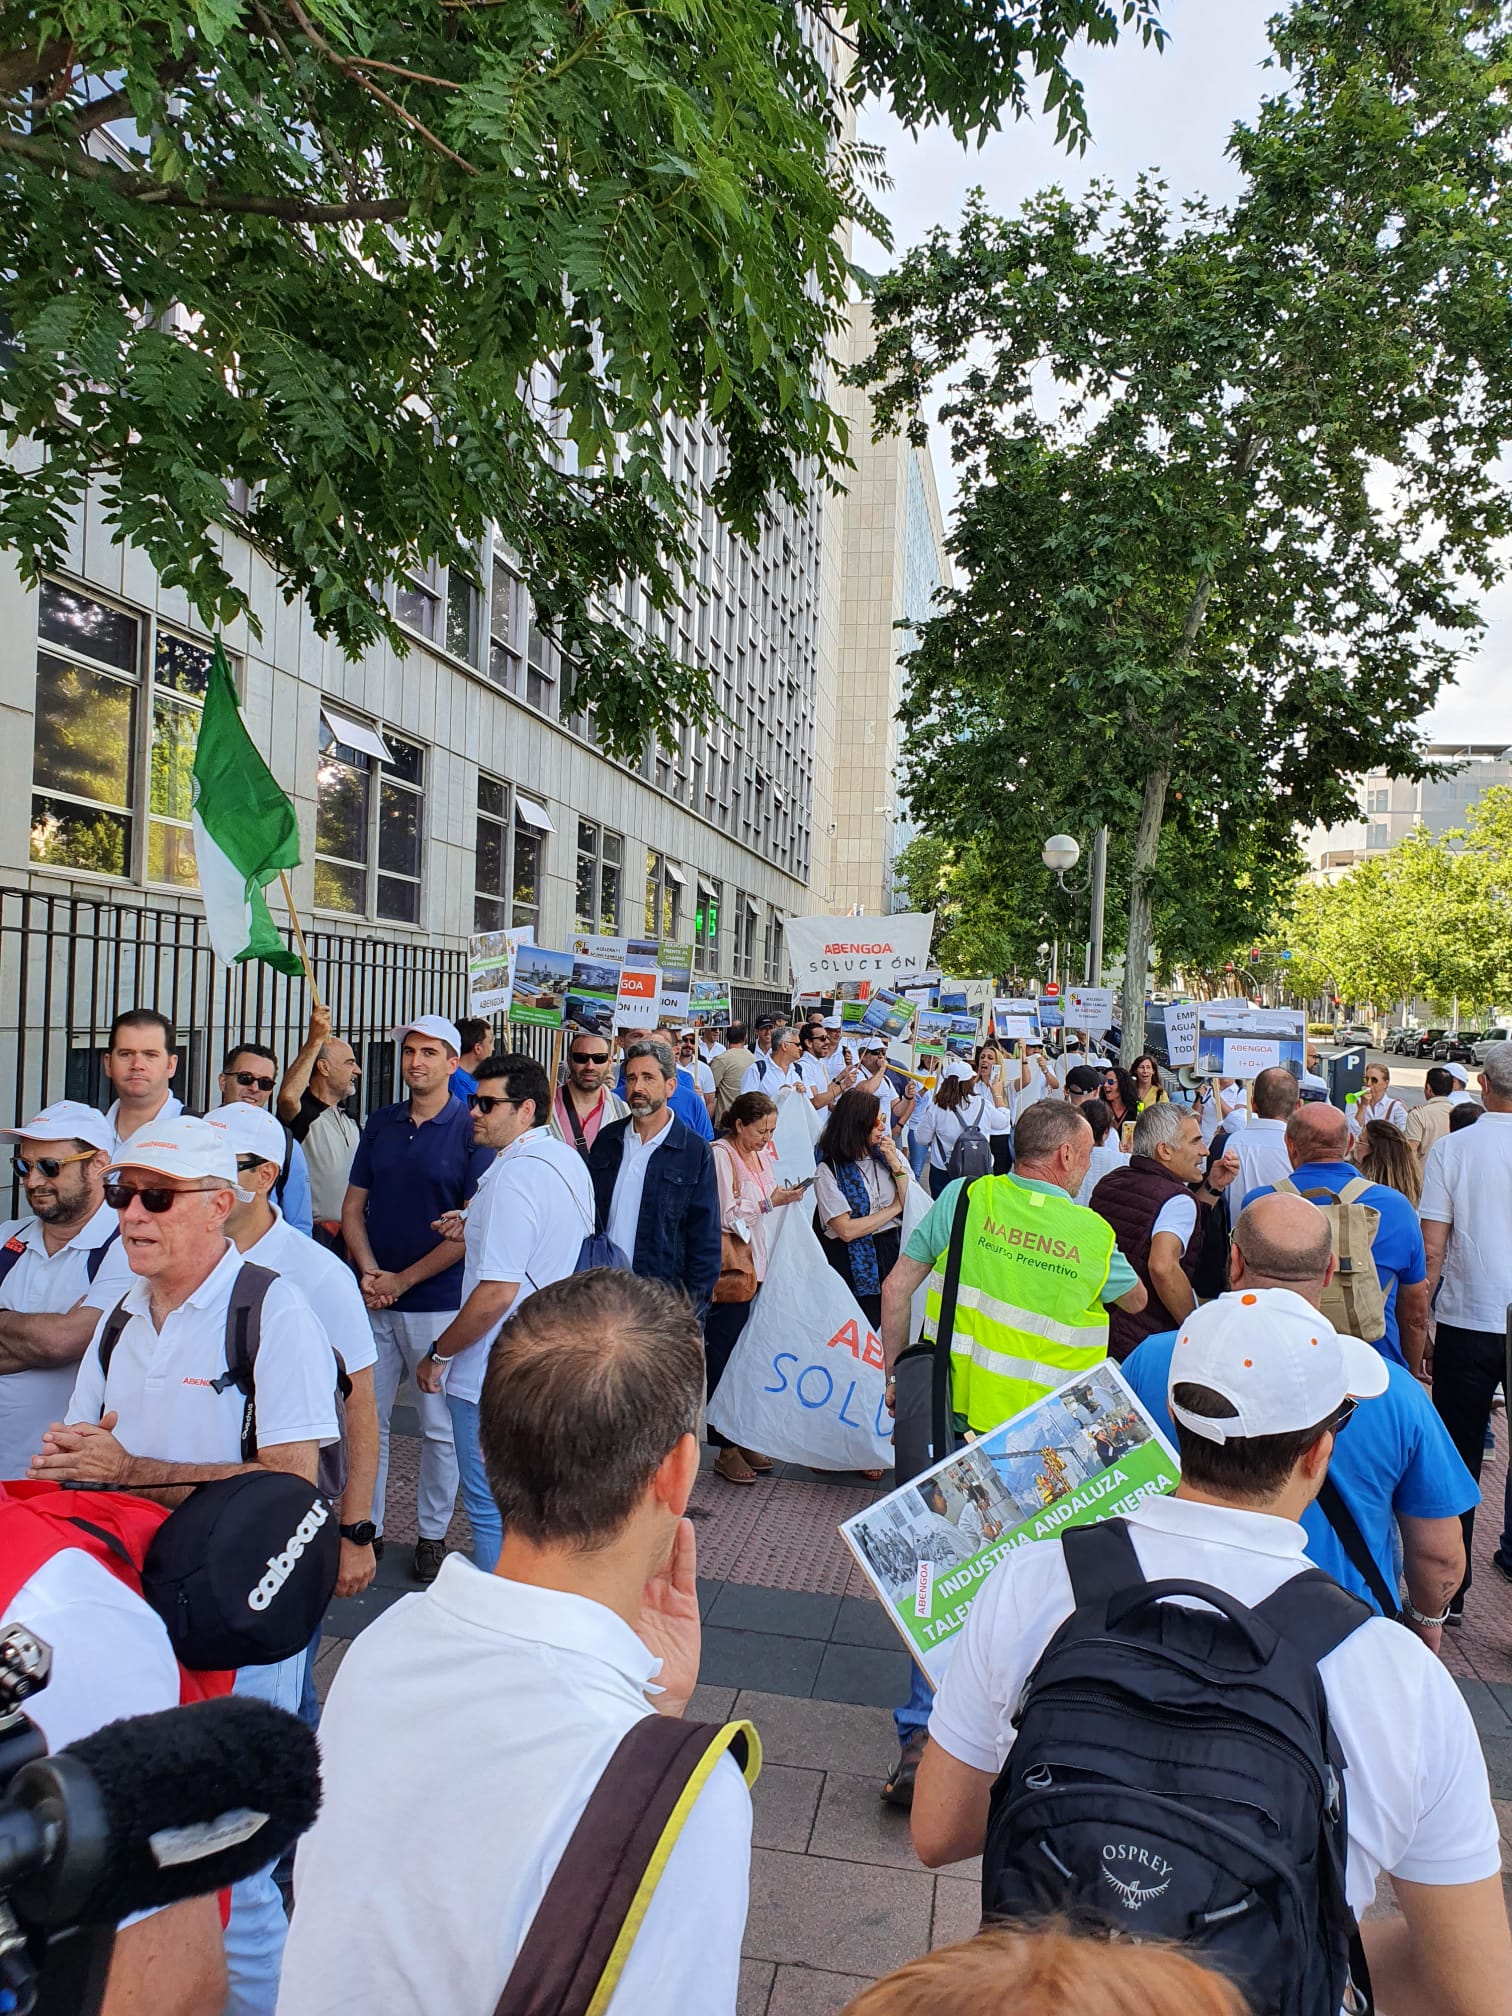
(1483, 1043)
(1353, 1034)
(1457, 1049)
(1406, 1044)
(1392, 1040)
(1425, 1042)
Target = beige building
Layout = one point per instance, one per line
(1392, 807)
(892, 559)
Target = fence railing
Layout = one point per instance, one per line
(70, 963)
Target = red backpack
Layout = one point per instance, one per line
(38, 1520)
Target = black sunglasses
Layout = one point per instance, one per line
(1347, 1407)
(586, 1057)
(483, 1102)
(251, 1078)
(119, 1195)
(50, 1166)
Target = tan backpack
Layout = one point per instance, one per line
(1354, 1301)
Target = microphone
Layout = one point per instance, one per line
(156, 1808)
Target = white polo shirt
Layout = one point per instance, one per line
(111, 1655)
(1419, 1803)
(44, 1284)
(1261, 1148)
(326, 1283)
(814, 1073)
(170, 1109)
(630, 1185)
(526, 1223)
(764, 1076)
(1467, 1185)
(161, 1382)
(539, 1688)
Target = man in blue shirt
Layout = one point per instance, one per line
(477, 1043)
(416, 1162)
(1317, 1140)
(1394, 1466)
(687, 1102)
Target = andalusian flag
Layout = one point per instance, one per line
(245, 831)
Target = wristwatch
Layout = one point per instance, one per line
(440, 1357)
(1428, 1623)
(362, 1533)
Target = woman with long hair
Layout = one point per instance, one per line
(859, 1190)
(1386, 1157)
(992, 1078)
(745, 1169)
(1121, 1097)
(1147, 1086)
(958, 1103)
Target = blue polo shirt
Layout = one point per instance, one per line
(686, 1102)
(463, 1084)
(1392, 1459)
(412, 1174)
(1397, 1248)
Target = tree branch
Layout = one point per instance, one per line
(19, 72)
(214, 202)
(348, 68)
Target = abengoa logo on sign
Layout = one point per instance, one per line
(831, 949)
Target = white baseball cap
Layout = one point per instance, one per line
(832, 1021)
(431, 1025)
(252, 1130)
(65, 1120)
(1279, 1362)
(180, 1147)
(1458, 1073)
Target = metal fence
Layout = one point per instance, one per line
(69, 964)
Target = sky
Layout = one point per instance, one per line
(1171, 112)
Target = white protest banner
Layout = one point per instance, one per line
(793, 1136)
(491, 968)
(804, 1382)
(638, 1001)
(1087, 1451)
(1089, 1008)
(825, 950)
(1248, 1056)
(1181, 1034)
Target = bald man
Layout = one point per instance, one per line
(1317, 1143)
(1400, 1468)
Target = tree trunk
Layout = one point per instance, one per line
(1137, 957)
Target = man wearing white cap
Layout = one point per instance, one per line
(1260, 1385)
(58, 1270)
(1461, 1095)
(159, 1420)
(416, 1162)
(261, 1233)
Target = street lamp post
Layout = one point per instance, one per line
(1060, 855)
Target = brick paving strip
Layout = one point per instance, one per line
(794, 1642)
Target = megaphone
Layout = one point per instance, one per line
(1190, 1077)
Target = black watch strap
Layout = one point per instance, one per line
(361, 1533)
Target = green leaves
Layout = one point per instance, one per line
(1224, 474)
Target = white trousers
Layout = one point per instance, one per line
(257, 1928)
(403, 1340)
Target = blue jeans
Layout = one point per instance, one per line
(258, 1927)
(914, 1714)
(482, 1512)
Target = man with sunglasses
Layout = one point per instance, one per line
(59, 1269)
(524, 1229)
(585, 1102)
(249, 1079)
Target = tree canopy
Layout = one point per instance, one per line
(1230, 482)
(404, 274)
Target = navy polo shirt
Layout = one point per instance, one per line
(413, 1174)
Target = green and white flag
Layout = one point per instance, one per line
(245, 831)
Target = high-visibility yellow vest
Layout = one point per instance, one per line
(1029, 1313)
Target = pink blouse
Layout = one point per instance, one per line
(741, 1192)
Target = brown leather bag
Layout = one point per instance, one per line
(737, 1270)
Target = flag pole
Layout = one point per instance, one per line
(299, 939)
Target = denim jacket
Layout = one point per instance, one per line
(677, 1235)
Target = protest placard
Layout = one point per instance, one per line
(824, 950)
(490, 968)
(596, 967)
(638, 1003)
(1089, 1008)
(675, 964)
(1181, 1033)
(1087, 1451)
(709, 1004)
(542, 980)
(1015, 1028)
(1248, 1056)
(889, 1014)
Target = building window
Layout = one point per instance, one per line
(464, 612)
(1378, 837)
(706, 927)
(504, 627)
(540, 677)
(507, 875)
(84, 753)
(663, 898)
(774, 972)
(93, 766)
(369, 815)
(417, 600)
(600, 865)
(744, 956)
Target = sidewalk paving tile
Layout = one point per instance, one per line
(711, 1704)
(854, 1826)
(789, 1613)
(755, 1987)
(850, 1917)
(857, 1673)
(957, 1911)
(811, 1991)
(784, 1802)
(1486, 1711)
(708, 1595)
(863, 1621)
(759, 1659)
(820, 1735)
(350, 1614)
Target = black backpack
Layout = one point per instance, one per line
(12, 1250)
(972, 1154)
(1174, 1776)
(243, 1338)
